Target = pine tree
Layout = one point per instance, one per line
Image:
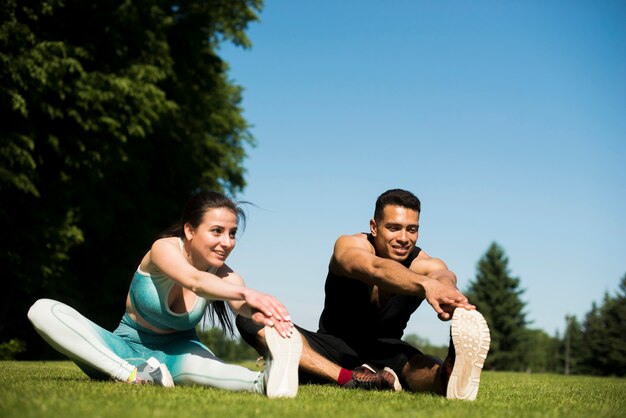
(605, 335)
(616, 335)
(594, 330)
(573, 348)
(496, 294)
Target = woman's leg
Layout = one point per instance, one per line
(90, 346)
(192, 363)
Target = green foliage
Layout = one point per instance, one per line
(497, 296)
(113, 113)
(599, 345)
(228, 349)
(574, 349)
(426, 347)
(615, 320)
(10, 349)
(540, 351)
(60, 389)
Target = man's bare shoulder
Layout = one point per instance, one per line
(350, 255)
(349, 247)
(355, 240)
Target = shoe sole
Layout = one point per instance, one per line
(282, 380)
(168, 380)
(471, 339)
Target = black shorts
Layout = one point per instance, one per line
(380, 352)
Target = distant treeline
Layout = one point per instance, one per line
(596, 346)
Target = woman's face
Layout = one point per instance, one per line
(213, 240)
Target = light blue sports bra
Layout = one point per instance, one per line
(148, 294)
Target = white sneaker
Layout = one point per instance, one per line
(470, 338)
(153, 372)
(281, 364)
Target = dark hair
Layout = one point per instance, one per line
(193, 213)
(396, 197)
(196, 207)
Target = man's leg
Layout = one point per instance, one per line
(362, 377)
(311, 362)
(421, 374)
(418, 372)
(322, 363)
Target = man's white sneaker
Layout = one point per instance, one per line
(281, 364)
(469, 347)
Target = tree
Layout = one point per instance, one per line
(574, 349)
(595, 332)
(538, 351)
(113, 113)
(615, 312)
(497, 296)
(426, 347)
(604, 336)
(228, 349)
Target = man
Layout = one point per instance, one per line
(375, 282)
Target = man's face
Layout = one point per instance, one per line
(396, 233)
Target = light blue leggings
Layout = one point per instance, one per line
(102, 354)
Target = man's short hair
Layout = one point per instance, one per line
(396, 197)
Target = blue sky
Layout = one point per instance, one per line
(507, 119)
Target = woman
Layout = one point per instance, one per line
(182, 276)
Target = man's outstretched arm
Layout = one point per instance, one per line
(353, 257)
(436, 269)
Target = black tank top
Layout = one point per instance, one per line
(349, 313)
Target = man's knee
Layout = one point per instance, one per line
(420, 373)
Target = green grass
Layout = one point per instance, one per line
(60, 389)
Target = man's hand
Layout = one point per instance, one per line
(444, 297)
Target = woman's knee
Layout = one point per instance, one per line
(40, 312)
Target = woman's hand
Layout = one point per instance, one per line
(268, 311)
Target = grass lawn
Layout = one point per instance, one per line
(60, 389)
